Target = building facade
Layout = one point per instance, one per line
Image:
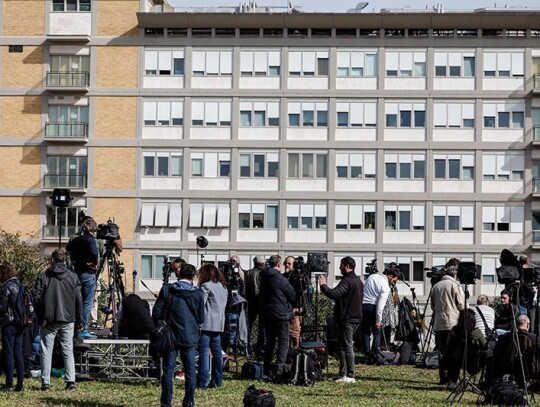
(405, 136)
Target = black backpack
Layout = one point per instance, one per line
(23, 308)
(305, 369)
(504, 392)
(252, 370)
(254, 397)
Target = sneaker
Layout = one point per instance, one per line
(19, 388)
(70, 386)
(346, 379)
(6, 387)
(45, 387)
(86, 335)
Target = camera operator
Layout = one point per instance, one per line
(447, 300)
(295, 272)
(530, 278)
(252, 286)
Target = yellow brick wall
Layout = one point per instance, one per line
(22, 69)
(117, 67)
(20, 116)
(117, 18)
(20, 167)
(23, 17)
(20, 214)
(116, 117)
(121, 210)
(114, 168)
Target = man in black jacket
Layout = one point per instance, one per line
(58, 302)
(348, 297)
(276, 296)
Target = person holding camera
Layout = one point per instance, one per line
(252, 285)
(58, 302)
(84, 254)
(347, 296)
(447, 300)
(298, 281)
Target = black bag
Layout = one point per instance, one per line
(23, 308)
(383, 357)
(162, 338)
(252, 371)
(254, 397)
(305, 369)
(504, 392)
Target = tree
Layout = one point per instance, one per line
(25, 258)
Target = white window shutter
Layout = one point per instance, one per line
(175, 215)
(224, 215)
(162, 214)
(209, 215)
(195, 215)
(147, 214)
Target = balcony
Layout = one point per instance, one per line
(51, 232)
(51, 181)
(68, 81)
(76, 131)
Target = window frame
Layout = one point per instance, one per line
(316, 157)
(155, 155)
(265, 213)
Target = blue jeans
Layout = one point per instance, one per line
(345, 334)
(12, 344)
(368, 327)
(88, 289)
(187, 356)
(210, 341)
(64, 330)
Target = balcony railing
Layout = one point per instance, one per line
(59, 130)
(51, 232)
(64, 181)
(67, 79)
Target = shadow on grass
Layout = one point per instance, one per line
(54, 401)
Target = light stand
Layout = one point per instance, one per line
(60, 198)
(202, 243)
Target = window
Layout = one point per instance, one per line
(454, 166)
(361, 165)
(454, 64)
(161, 214)
(259, 114)
(259, 165)
(453, 218)
(162, 164)
(503, 219)
(152, 264)
(355, 217)
(306, 216)
(405, 115)
(308, 114)
(504, 115)
(163, 113)
(70, 218)
(404, 217)
(356, 63)
(504, 64)
(15, 48)
(260, 63)
(503, 166)
(356, 114)
(209, 215)
(406, 63)
(211, 113)
(408, 264)
(164, 62)
(308, 63)
(405, 166)
(212, 63)
(67, 121)
(66, 172)
(308, 165)
(258, 216)
(210, 165)
(453, 115)
(71, 5)
(70, 63)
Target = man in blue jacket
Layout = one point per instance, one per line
(277, 296)
(185, 304)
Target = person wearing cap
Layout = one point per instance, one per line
(447, 300)
(251, 287)
(376, 291)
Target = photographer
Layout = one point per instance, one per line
(530, 278)
(295, 272)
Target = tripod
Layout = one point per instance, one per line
(464, 382)
(115, 290)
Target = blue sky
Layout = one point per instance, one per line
(374, 5)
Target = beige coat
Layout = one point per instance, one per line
(447, 299)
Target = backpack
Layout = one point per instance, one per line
(504, 392)
(305, 369)
(254, 397)
(23, 308)
(252, 371)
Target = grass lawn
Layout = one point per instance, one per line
(376, 386)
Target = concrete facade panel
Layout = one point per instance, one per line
(22, 68)
(119, 67)
(114, 168)
(20, 116)
(24, 18)
(116, 117)
(20, 167)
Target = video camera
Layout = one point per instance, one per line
(531, 275)
(468, 272)
(231, 272)
(166, 269)
(435, 274)
(299, 266)
(371, 268)
(108, 231)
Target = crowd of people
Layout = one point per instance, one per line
(197, 305)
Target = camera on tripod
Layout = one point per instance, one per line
(166, 269)
(231, 272)
(435, 274)
(468, 272)
(299, 267)
(371, 268)
(108, 231)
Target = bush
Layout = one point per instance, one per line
(25, 258)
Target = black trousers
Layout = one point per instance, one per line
(277, 332)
